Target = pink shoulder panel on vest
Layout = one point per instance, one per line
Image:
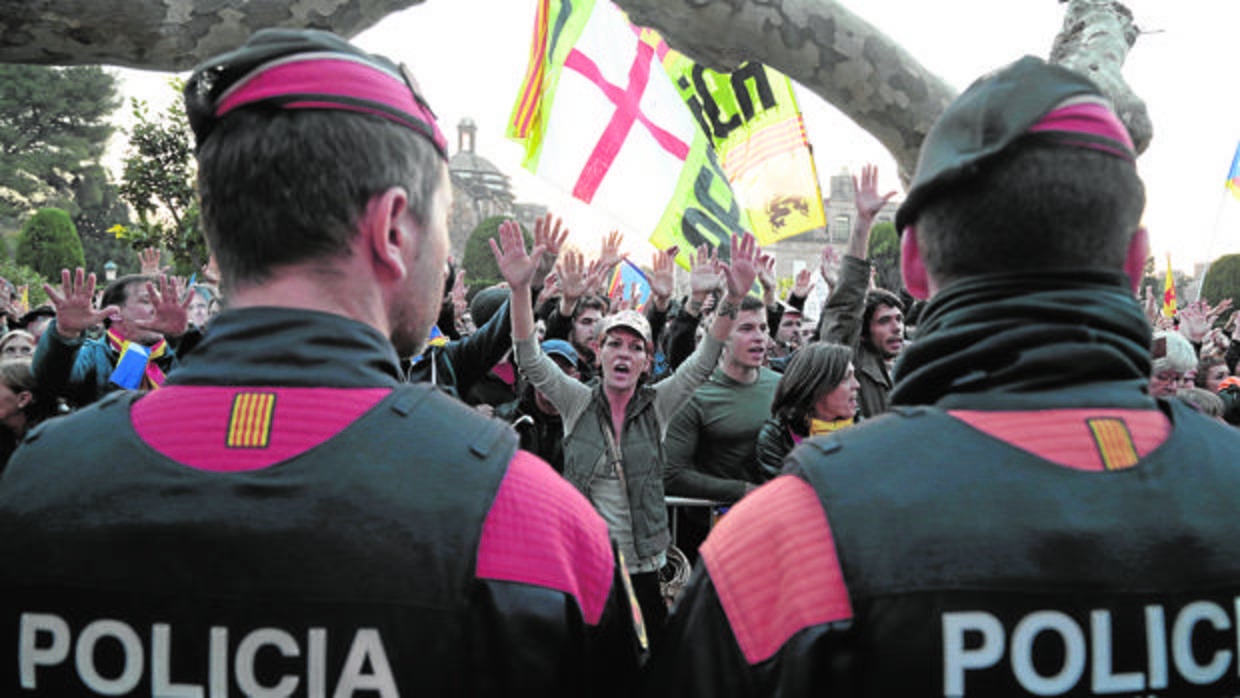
(233, 429)
(772, 561)
(542, 532)
(1082, 438)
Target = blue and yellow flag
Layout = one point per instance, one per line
(1233, 175)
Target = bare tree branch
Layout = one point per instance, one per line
(164, 34)
(819, 43)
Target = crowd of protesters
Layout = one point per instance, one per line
(700, 390)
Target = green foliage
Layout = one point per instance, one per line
(158, 182)
(99, 208)
(1223, 280)
(885, 253)
(49, 242)
(53, 122)
(479, 261)
(31, 279)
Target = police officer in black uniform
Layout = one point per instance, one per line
(1029, 520)
(286, 517)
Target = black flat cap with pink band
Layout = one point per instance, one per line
(306, 69)
(1027, 100)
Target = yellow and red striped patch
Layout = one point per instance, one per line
(249, 424)
(1114, 442)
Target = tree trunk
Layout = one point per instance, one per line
(167, 35)
(863, 73)
(818, 43)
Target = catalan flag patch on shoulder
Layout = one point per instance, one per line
(249, 424)
(1114, 442)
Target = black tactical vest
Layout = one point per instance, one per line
(347, 570)
(976, 568)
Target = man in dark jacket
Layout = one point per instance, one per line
(981, 539)
(870, 320)
(286, 517)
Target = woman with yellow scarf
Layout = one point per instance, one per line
(816, 395)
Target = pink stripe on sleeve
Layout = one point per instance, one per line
(542, 532)
(773, 563)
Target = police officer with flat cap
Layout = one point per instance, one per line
(286, 517)
(1029, 520)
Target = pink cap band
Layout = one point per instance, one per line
(1093, 119)
(334, 81)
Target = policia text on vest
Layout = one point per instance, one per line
(111, 658)
(1155, 649)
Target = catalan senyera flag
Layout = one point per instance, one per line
(755, 125)
(600, 118)
(1233, 175)
(1169, 307)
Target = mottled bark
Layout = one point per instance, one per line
(1095, 39)
(855, 67)
(164, 34)
(820, 44)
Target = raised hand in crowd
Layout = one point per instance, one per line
(550, 288)
(663, 276)
(1213, 313)
(1194, 321)
(74, 303)
(803, 283)
(610, 255)
(766, 278)
(574, 280)
(869, 202)
(1216, 342)
(1151, 306)
(742, 268)
(171, 317)
(704, 278)
(829, 266)
(149, 259)
(550, 233)
(458, 292)
(519, 267)
(210, 272)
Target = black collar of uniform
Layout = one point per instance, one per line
(289, 347)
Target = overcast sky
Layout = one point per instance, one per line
(470, 56)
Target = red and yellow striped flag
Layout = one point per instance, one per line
(1168, 308)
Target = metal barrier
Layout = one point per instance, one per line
(675, 504)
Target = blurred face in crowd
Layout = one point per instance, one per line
(12, 404)
(789, 332)
(1215, 375)
(747, 343)
(199, 310)
(17, 345)
(585, 327)
(887, 331)
(1165, 383)
(841, 401)
(622, 358)
(541, 400)
(137, 310)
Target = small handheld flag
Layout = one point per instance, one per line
(1168, 308)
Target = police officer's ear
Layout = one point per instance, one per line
(912, 268)
(1138, 252)
(386, 229)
